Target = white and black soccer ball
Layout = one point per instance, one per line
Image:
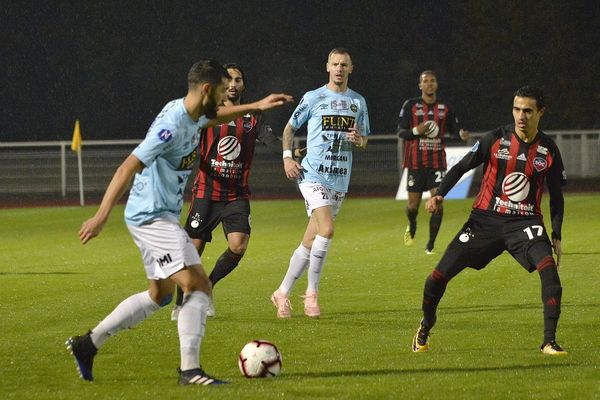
(260, 359)
(432, 129)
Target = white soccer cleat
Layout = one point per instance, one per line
(210, 308)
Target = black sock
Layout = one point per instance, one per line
(412, 220)
(224, 265)
(551, 297)
(434, 227)
(435, 286)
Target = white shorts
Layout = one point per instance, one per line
(166, 248)
(317, 196)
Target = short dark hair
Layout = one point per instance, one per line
(532, 92)
(236, 66)
(426, 72)
(339, 50)
(207, 71)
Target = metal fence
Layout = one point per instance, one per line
(49, 169)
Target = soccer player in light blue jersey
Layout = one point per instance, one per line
(338, 121)
(161, 165)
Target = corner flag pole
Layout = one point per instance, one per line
(76, 145)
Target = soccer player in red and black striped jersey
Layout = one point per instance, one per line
(517, 160)
(221, 193)
(425, 123)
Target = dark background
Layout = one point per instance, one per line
(114, 66)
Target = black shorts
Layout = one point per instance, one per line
(423, 179)
(206, 214)
(484, 237)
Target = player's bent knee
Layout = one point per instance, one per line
(539, 254)
(238, 250)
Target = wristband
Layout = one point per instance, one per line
(415, 131)
(287, 154)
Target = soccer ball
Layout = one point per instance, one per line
(432, 129)
(260, 359)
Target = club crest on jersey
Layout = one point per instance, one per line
(516, 186)
(229, 148)
(164, 135)
(353, 107)
(539, 164)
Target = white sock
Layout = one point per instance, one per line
(298, 263)
(318, 253)
(190, 325)
(128, 314)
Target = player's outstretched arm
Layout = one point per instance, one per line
(116, 188)
(229, 113)
(434, 203)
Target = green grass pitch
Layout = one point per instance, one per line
(485, 345)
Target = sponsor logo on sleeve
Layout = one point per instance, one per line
(164, 135)
(475, 147)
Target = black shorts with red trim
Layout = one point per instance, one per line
(206, 214)
(485, 236)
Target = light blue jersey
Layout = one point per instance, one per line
(168, 153)
(330, 114)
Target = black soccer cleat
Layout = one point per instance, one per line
(552, 348)
(197, 376)
(421, 340)
(83, 350)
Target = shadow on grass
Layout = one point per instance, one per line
(400, 371)
(40, 273)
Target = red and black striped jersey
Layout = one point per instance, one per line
(226, 152)
(424, 152)
(513, 175)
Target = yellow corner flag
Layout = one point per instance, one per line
(77, 142)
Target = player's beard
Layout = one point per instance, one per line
(210, 109)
